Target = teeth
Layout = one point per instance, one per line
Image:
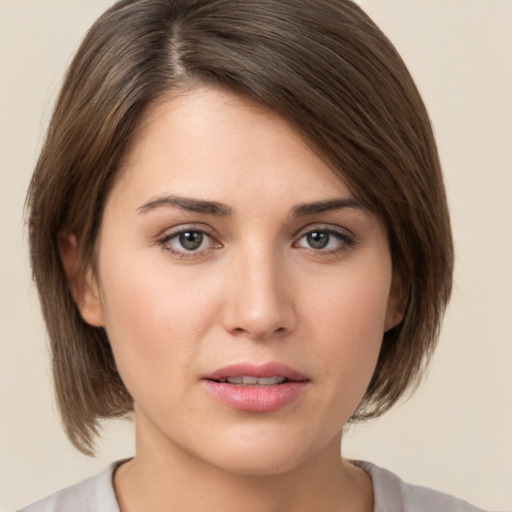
(270, 380)
(253, 381)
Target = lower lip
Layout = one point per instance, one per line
(256, 398)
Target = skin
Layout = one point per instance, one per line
(255, 290)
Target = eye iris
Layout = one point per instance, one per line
(317, 240)
(191, 240)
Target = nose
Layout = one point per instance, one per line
(259, 299)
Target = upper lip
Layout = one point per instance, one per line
(266, 370)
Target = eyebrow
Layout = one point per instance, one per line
(221, 210)
(302, 210)
(187, 203)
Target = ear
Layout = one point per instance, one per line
(82, 282)
(397, 302)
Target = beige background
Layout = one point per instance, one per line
(456, 433)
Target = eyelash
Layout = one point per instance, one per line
(345, 241)
(165, 241)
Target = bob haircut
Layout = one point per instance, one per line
(323, 66)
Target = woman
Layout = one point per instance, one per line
(238, 230)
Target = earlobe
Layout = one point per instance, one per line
(397, 302)
(82, 282)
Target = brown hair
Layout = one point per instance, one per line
(321, 64)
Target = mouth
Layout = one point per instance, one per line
(256, 388)
(253, 374)
(254, 381)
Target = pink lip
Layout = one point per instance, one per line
(254, 370)
(256, 398)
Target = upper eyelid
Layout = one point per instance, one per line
(183, 228)
(331, 228)
(204, 228)
(165, 243)
(165, 238)
(171, 232)
(345, 237)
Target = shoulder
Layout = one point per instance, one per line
(391, 493)
(95, 494)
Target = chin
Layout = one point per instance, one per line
(262, 454)
(259, 464)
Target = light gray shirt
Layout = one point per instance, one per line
(391, 494)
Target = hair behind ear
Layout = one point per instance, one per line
(82, 281)
(397, 302)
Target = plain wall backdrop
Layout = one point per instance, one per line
(455, 434)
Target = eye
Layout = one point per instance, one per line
(318, 239)
(190, 240)
(187, 242)
(325, 240)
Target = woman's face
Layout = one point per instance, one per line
(244, 290)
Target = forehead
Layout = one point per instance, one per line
(210, 142)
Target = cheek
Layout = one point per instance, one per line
(155, 322)
(352, 306)
(347, 321)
